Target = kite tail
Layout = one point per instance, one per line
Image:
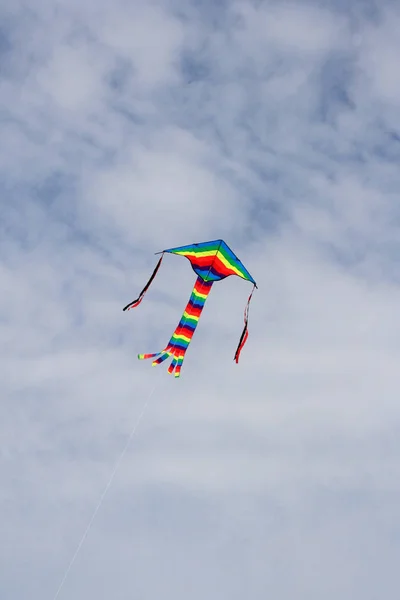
(182, 336)
(138, 300)
(245, 333)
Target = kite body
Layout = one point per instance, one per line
(211, 261)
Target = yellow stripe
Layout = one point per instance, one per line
(202, 254)
(227, 264)
(181, 337)
(191, 317)
(222, 258)
(199, 295)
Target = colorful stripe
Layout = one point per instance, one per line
(182, 336)
(213, 261)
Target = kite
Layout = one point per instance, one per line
(211, 261)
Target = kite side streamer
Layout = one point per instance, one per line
(245, 332)
(138, 300)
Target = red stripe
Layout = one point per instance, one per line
(241, 346)
(135, 304)
(201, 287)
(193, 311)
(215, 263)
(184, 331)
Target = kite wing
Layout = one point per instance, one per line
(211, 261)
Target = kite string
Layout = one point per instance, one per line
(104, 493)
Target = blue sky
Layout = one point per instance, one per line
(129, 127)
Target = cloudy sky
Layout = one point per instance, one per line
(132, 126)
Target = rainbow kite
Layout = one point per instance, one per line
(211, 261)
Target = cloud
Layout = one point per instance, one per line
(379, 50)
(134, 127)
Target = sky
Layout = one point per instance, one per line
(133, 126)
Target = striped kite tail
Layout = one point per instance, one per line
(182, 336)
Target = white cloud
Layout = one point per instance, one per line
(295, 30)
(377, 60)
(137, 126)
(72, 79)
(148, 36)
(185, 199)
